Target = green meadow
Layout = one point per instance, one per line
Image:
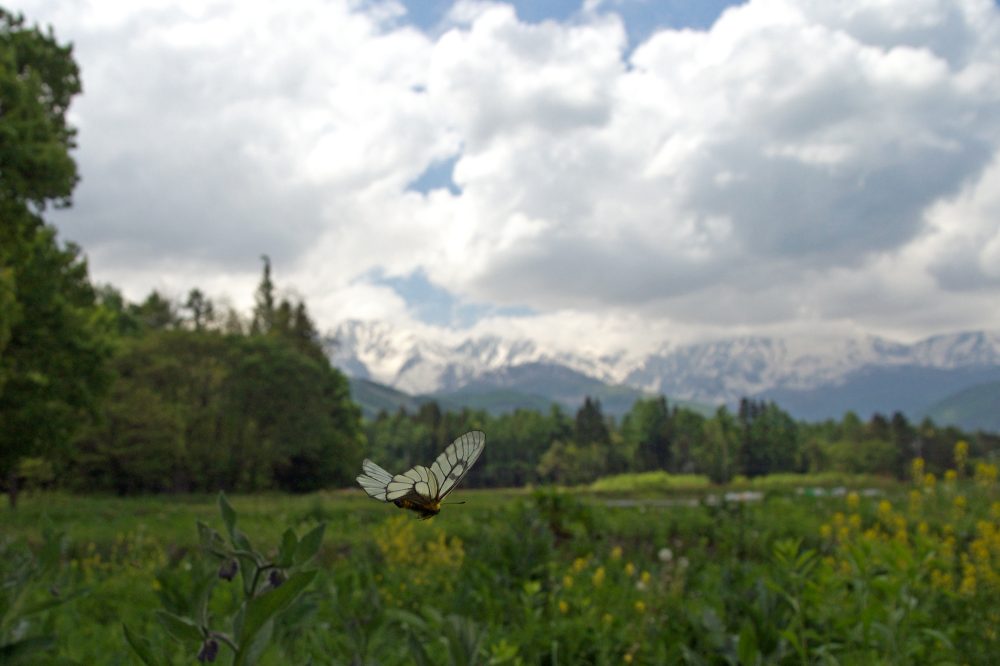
(795, 573)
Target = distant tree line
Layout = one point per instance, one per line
(201, 402)
(760, 438)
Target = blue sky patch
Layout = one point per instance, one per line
(435, 305)
(437, 176)
(642, 17)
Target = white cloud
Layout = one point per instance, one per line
(800, 165)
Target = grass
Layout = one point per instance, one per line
(551, 576)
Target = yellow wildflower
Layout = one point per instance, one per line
(968, 584)
(950, 475)
(825, 531)
(598, 578)
(627, 658)
(941, 580)
(607, 618)
(579, 564)
(616, 553)
(961, 454)
(853, 500)
(929, 480)
(986, 474)
(917, 470)
(567, 581)
(640, 606)
(630, 568)
(563, 607)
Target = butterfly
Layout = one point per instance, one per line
(421, 489)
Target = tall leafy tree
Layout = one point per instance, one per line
(53, 339)
(201, 309)
(769, 439)
(590, 427)
(646, 429)
(264, 307)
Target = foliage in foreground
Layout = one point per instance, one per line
(269, 587)
(906, 574)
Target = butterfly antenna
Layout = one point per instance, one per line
(462, 502)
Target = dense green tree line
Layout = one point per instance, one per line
(759, 438)
(54, 344)
(200, 403)
(100, 394)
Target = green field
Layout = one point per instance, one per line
(888, 574)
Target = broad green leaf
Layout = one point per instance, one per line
(420, 657)
(228, 515)
(406, 618)
(747, 647)
(52, 602)
(180, 628)
(11, 653)
(309, 545)
(286, 554)
(250, 653)
(141, 647)
(211, 540)
(241, 541)
(266, 606)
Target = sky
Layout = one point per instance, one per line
(596, 175)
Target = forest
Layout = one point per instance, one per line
(197, 401)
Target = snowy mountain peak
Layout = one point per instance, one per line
(715, 372)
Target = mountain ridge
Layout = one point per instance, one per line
(811, 379)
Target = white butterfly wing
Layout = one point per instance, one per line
(452, 465)
(418, 480)
(374, 480)
(431, 484)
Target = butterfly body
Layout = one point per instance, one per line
(421, 489)
(419, 505)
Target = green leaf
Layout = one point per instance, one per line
(249, 654)
(10, 653)
(211, 540)
(228, 515)
(261, 609)
(286, 554)
(180, 628)
(420, 657)
(406, 618)
(248, 573)
(747, 649)
(141, 647)
(204, 584)
(940, 636)
(309, 545)
(241, 541)
(52, 603)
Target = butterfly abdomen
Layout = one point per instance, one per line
(425, 509)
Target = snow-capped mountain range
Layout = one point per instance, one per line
(714, 372)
